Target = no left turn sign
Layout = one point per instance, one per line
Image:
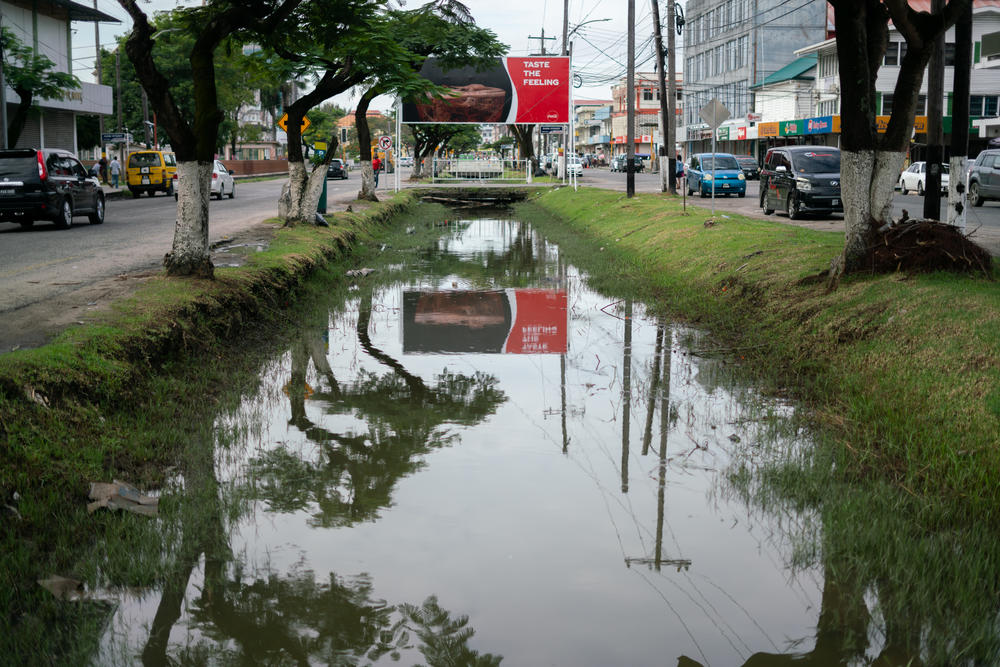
(385, 142)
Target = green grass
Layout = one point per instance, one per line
(899, 370)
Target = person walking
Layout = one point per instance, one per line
(116, 170)
(376, 167)
(102, 169)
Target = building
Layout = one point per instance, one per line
(47, 28)
(592, 127)
(731, 45)
(646, 132)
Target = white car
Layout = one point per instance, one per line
(223, 184)
(915, 178)
(574, 165)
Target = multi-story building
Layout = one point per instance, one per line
(730, 45)
(592, 127)
(984, 88)
(47, 28)
(646, 130)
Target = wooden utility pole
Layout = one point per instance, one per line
(630, 106)
(97, 46)
(671, 140)
(959, 162)
(935, 116)
(627, 394)
(665, 139)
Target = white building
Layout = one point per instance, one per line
(47, 28)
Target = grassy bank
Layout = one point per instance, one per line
(128, 396)
(902, 371)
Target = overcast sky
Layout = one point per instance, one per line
(599, 45)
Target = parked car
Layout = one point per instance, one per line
(620, 163)
(150, 172)
(721, 169)
(336, 169)
(915, 178)
(47, 184)
(574, 165)
(748, 163)
(405, 161)
(222, 183)
(801, 180)
(984, 177)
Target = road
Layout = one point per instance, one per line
(54, 278)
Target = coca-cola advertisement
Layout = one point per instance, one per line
(533, 89)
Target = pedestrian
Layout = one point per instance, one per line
(102, 169)
(376, 166)
(116, 170)
(679, 167)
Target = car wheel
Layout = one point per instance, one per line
(97, 217)
(222, 191)
(794, 210)
(232, 195)
(975, 199)
(902, 187)
(705, 194)
(65, 219)
(175, 196)
(920, 188)
(763, 204)
(151, 192)
(741, 195)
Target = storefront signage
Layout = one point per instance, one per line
(767, 130)
(741, 133)
(722, 134)
(790, 128)
(819, 125)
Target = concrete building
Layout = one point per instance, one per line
(47, 28)
(646, 131)
(731, 45)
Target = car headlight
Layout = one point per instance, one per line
(741, 176)
(803, 184)
(707, 177)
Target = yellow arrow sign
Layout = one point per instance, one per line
(283, 123)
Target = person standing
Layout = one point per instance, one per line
(116, 170)
(376, 167)
(102, 169)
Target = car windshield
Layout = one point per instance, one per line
(818, 162)
(721, 162)
(747, 161)
(144, 160)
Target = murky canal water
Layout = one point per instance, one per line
(476, 459)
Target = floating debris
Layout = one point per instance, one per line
(353, 273)
(119, 495)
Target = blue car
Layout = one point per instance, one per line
(723, 169)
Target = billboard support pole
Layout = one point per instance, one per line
(399, 134)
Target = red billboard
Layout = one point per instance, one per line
(531, 89)
(515, 321)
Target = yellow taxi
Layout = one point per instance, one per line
(150, 171)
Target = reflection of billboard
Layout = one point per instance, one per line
(524, 321)
(515, 90)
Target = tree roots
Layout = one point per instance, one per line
(926, 245)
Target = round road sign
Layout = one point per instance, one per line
(385, 142)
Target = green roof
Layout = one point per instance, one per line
(792, 71)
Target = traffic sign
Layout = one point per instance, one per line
(283, 123)
(385, 142)
(714, 113)
(116, 137)
(553, 129)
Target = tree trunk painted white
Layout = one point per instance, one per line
(300, 195)
(189, 254)
(867, 179)
(367, 182)
(958, 196)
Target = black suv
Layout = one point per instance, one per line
(748, 163)
(984, 178)
(47, 184)
(336, 169)
(800, 180)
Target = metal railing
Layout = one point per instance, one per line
(483, 170)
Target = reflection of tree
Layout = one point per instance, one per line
(444, 641)
(354, 474)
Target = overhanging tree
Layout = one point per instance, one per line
(871, 161)
(194, 139)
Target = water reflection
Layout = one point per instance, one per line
(598, 499)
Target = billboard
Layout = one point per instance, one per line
(532, 89)
(514, 321)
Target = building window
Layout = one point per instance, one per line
(647, 95)
(887, 105)
(891, 55)
(990, 106)
(949, 54)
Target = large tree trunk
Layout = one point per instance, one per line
(300, 196)
(365, 142)
(871, 162)
(525, 144)
(189, 255)
(17, 121)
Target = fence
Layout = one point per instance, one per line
(493, 170)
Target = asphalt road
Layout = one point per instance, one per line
(51, 278)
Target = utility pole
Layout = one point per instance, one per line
(627, 395)
(959, 162)
(935, 132)
(3, 98)
(630, 106)
(565, 49)
(671, 118)
(661, 77)
(97, 46)
(118, 86)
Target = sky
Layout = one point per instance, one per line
(599, 40)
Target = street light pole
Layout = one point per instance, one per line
(630, 106)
